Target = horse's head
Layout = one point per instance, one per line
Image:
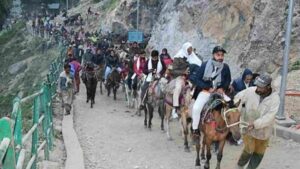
(232, 119)
(231, 116)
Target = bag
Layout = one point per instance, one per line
(170, 87)
(179, 67)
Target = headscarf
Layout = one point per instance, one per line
(246, 73)
(183, 53)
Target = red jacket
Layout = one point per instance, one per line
(139, 71)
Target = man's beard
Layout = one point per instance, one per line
(220, 60)
(259, 93)
(263, 94)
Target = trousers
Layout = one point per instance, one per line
(201, 100)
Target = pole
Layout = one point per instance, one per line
(280, 114)
(67, 4)
(137, 15)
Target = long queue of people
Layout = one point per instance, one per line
(258, 100)
(211, 76)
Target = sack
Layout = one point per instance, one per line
(179, 67)
(170, 87)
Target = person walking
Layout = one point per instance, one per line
(259, 105)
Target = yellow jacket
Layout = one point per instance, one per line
(262, 114)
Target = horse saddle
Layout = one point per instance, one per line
(215, 101)
(169, 99)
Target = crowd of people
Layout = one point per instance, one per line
(254, 92)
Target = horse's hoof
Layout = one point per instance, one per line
(206, 166)
(87, 101)
(202, 157)
(198, 162)
(187, 149)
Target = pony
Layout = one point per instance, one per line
(153, 96)
(217, 120)
(90, 80)
(113, 82)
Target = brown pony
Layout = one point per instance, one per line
(217, 121)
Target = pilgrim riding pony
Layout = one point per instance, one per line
(216, 122)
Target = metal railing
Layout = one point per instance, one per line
(12, 139)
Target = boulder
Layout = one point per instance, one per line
(17, 67)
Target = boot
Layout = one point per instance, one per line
(255, 161)
(174, 114)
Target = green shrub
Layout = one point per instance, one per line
(295, 66)
(8, 35)
(109, 5)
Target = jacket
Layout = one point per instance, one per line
(112, 61)
(65, 82)
(197, 77)
(139, 71)
(154, 64)
(98, 59)
(262, 114)
(239, 84)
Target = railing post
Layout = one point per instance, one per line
(46, 120)
(35, 136)
(9, 161)
(17, 131)
(48, 102)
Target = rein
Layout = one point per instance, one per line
(243, 123)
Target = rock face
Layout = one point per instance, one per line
(252, 31)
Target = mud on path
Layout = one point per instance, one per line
(112, 137)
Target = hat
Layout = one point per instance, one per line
(263, 80)
(218, 49)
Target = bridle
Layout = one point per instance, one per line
(240, 122)
(224, 113)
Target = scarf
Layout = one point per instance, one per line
(158, 69)
(192, 58)
(138, 63)
(212, 72)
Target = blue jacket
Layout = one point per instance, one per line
(196, 77)
(238, 84)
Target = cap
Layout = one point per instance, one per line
(218, 49)
(263, 80)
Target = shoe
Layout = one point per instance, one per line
(239, 142)
(174, 114)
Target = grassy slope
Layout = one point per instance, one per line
(16, 45)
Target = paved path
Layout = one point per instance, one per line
(112, 137)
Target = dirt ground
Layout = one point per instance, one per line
(112, 137)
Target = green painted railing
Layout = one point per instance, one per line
(12, 138)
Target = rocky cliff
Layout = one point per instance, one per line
(252, 31)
